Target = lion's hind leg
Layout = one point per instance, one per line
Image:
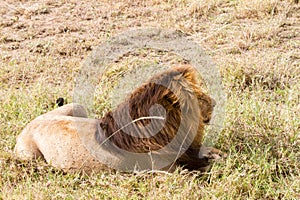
(26, 148)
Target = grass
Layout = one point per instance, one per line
(255, 44)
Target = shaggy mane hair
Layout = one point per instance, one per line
(131, 127)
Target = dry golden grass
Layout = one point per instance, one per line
(255, 44)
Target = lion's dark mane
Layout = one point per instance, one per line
(172, 89)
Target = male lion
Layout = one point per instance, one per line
(161, 114)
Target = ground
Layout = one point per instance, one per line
(255, 44)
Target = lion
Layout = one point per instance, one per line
(164, 111)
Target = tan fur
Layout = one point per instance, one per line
(54, 136)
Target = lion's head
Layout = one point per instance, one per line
(175, 96)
